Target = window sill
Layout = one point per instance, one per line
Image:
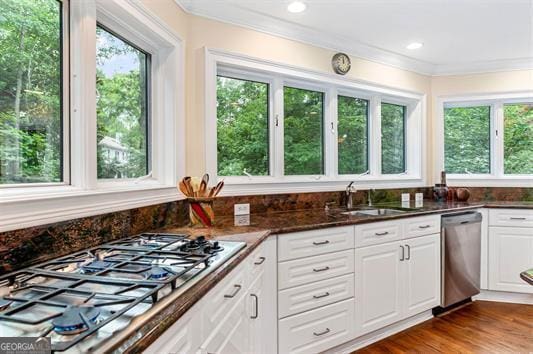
(490, 181)
(29, 207)
(234, 186)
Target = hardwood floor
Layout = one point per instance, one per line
(480, 327)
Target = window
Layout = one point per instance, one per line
(122, 79)
(277, 129)
(352, 137)
(518, 138)
(303, 131)
(392, 138)
(488, 140)
(76, 128)
(31, 92)
(242, 127)
(467, 139)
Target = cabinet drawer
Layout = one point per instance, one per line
(317, 330)
(311, 269)
(223, 297)
(315, 242)
(378, 232)
(422, 225)
(310, 296)
(258, 261)
(511, 217)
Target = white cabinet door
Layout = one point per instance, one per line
(421, 274)
(232, 336)
(262, 301)
(510, 252)
(183, 337)
(377, 287)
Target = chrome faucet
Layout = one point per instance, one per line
(350, 189)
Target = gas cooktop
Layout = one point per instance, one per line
(81, 300)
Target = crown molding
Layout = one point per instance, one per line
(242, 17)
(237, 15)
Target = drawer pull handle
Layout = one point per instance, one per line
(320, 269)
(321, 296)
(382, 233)
(515, 218)
(260, 261)
(321, 243)
(424, 226)
(321, 333)
(237, 289)
(256, 313)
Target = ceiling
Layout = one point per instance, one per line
(459, 36)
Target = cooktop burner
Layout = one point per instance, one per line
(95, 266)
(75, 319)
(114, 282)
(158, 273)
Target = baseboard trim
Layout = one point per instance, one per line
(380, 334)
(503, 296)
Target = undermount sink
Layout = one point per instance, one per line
(373, 212)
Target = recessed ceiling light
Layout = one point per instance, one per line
(414, 45)
(296, 7)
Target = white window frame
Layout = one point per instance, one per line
(496, 177)
(82, 194)
(280, 75)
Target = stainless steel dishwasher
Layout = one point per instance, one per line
(460, 257)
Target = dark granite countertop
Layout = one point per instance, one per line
(151, 325)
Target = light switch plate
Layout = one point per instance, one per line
(241, 209)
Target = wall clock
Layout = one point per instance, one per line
(341, 63)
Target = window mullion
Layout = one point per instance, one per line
(374, 137)
(497, 140)
(83, 94)
(278, 126)
(330, 132)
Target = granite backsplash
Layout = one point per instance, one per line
(24, 247)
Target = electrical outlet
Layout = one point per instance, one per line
(241, 209)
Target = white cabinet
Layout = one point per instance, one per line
(422, 274)
(184, 336)
(242, 318)
(314, 242)
(510, 252)
(232, 335)
(239, 315)
(396, 280)
(262, 299)
(378, 286)
(317, 330)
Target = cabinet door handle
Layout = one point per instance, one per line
(256, 314)
(403, 253)
(408, 252)
(321, 295)
(515, 218)
(424, 226)
(237, 289)
(382, 233)
(321, 333)
(320, 269)
(260, 261)
(321, 243)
